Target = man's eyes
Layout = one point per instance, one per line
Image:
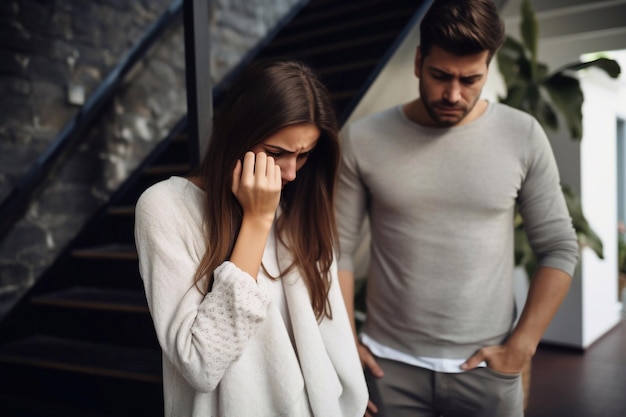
(469, 81)
(465, 81)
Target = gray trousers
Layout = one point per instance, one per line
(410, 391)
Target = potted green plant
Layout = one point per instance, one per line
(549, 97)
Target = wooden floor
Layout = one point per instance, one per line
(572, 383)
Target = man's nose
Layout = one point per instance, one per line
(452, 92)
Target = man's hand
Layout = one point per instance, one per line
(548, 288)
(368, 361)
(505, 359)
(369, 364)
(346, 282)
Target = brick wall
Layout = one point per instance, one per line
(53, 55)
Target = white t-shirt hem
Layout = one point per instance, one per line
(433, 364)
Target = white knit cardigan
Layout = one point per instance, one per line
(229, 354)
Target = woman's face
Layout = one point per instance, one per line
(290, 147)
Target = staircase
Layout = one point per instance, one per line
(81, 342)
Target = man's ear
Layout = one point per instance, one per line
(418, 62)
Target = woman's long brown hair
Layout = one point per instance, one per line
(268, 96)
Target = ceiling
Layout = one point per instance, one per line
(570, 28)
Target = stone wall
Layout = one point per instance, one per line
(53, 55)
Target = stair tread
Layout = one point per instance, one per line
(95, 298)
(122, 210)
(110, 251)
(356, 23)
(351, 43)
(84, 357)
(160, 169)
(336, 10)
(27, 407)
(332, 69)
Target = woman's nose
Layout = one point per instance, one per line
(288, 168)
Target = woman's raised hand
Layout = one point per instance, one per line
(257, 184)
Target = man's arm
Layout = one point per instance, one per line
(548, 288)
(549, 229)
(346, 282)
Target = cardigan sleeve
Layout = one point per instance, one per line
(201, 335)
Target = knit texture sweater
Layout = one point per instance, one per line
(441, 203)
(229, 353)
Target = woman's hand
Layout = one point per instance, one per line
(257, 184)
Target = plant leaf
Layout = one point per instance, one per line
(610, 66)
(546, 115)
(510, 59)
(523, 251)
(542, 72)
(529, 30)
(567, 96)
(515, 97)
(586, 235)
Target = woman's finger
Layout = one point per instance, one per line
(260, 168)
(236, 177)
(247, 173)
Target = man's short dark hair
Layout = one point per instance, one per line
(462, 27)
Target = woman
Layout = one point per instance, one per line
(238, 261)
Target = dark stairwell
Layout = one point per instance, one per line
(81, 342)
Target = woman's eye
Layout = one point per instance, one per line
(304, 155)
(273, 154)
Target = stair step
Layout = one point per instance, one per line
(122, 211)
(112, 251)
(350, 44)
(350, 66)
(338, 95)
(324, 15)
(335, 29)
(24, 406)
(138, 364)
(117, 226)
(172, 169)
(122, 316)
(96, 299)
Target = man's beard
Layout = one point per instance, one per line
(448, 120)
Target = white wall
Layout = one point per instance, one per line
(591, 307)
(599, 196)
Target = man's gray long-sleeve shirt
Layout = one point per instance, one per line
(441, 204)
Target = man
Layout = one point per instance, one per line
(439, 179)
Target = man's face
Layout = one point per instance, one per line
(450, 85)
